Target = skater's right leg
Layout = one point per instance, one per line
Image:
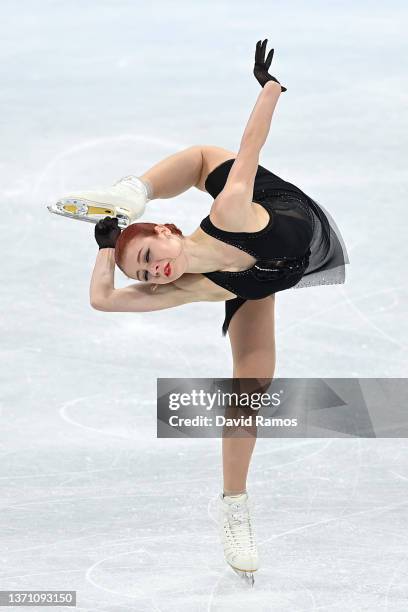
(252, 337)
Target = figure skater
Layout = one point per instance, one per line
(263, 235)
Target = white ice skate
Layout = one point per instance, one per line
(237, 535)
(126, 200)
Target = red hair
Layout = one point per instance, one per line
(141, 230)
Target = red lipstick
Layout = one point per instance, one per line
(167, 269)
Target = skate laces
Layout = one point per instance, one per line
(240, 525)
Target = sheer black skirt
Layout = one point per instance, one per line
(328, 253)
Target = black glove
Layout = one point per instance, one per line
(107, 232)
(261, 66)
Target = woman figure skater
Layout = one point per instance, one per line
(263, 235)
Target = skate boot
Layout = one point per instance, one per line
(126, 200)
(238, 536)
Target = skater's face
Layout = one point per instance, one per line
(156, 259)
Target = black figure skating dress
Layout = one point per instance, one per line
(300, 247)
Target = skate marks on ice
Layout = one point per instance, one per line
(115, 414)
(349, 552)
(159, 579)
(158, 574)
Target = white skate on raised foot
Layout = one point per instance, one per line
(237, 536)
(126, 200)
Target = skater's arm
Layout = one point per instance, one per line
(259, 122)
(245, 166)
(139, 297)
(103, 276)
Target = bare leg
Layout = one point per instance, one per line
(252, 336)
(175, 174)
(236, 456)
(238, 444)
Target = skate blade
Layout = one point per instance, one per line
(247, 577)
(81, 211)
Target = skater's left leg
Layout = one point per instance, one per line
(252, 337)
(175, 174)
(127, 198)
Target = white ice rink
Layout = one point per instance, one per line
(91, 500)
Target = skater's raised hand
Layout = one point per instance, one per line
(261, 66)
(107, 232)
